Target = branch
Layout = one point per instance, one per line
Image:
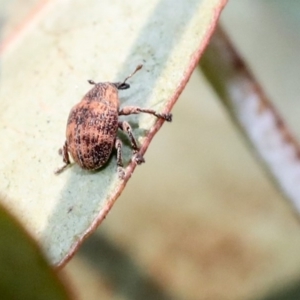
(256, 116)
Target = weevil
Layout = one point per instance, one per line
(93, 123)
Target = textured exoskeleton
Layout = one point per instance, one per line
(91, 132)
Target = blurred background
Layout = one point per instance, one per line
(201, 219)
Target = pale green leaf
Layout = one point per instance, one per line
(45, 67)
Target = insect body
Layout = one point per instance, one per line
(93, 124)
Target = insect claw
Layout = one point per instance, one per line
(138, 158)
(121, 172)
(168, 117)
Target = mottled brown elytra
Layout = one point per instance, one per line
(93, 124)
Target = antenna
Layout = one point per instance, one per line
(136, 69)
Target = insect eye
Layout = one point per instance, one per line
(122, 86)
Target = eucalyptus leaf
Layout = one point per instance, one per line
(44, 72)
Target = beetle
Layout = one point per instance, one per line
(93, 123)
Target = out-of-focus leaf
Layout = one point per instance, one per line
(44, 72)
(263, 126)
(24, 272)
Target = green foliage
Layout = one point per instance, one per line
(24, 272)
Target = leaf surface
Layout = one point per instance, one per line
(45, 67)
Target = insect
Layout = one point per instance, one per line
(93, 123)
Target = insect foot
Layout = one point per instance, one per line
(93, 124)
(168, 117)
(138, 158)
(121, 172)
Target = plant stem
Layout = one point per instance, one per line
(255, 115)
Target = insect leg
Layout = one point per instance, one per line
(128, 110)
(118, 146)
(123, 125)
(66, 160)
